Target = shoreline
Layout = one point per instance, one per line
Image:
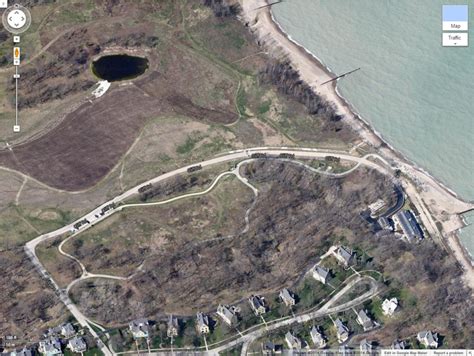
(445, 206)
(359, 117)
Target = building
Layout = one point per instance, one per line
(50, 347)
(366, 348)
(139, 328)
(364, 320)
(287, 297)
(344, 255)
(317, 337)
(345, 350)
(269, 348)
(227, 314)
(374, 208)
(77, 344)
(409, 225)
(389, 306)
(67, 330)
(202, 323)
(385, 223)
(23, 352)
(341, 330)
(173, 326)
(428, 339)
(320, 274)
(257, 304)
(292, 341)
(398, 345)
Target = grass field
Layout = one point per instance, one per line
(126, 239)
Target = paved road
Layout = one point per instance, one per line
(331, 307)
(231, 156)
(94, 216)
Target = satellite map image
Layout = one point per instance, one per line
(236, 177)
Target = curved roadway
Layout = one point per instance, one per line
(94, 216)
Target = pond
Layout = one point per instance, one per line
(119, 67)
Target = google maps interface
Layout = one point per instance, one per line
(236, 177)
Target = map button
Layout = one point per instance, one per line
(455, 17)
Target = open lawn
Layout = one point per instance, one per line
(128, 239)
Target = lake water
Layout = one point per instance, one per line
(416, 93)
(119, 67)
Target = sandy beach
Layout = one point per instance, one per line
(439, 207)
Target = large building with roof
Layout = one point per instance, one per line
(411, 228)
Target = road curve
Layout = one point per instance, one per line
(95, 217)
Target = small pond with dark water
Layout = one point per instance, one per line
(119, 67)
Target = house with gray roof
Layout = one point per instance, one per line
(172, 327)
(364, 320)
(67, 330)
(50, 347)
(23, 352)
(398, 345)
(411, 228)
(287, 297)
(292, 341)
(139, 328)
(317, 337)
(385, 223)
(77, 344)
(257, 303)
(345, 350)
(227, 314)
(202, 323)
(342, 331)
(320, 274)
(344, 255)
(428, 338)
(366, 348)
(270, 348)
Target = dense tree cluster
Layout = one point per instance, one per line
(222, 8)
(288, 81)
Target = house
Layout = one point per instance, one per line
(366, 348)
(344, 255)
(77, 344)
(341, 330)
(428, 339)
(226, 313)
(364, 320)
(389, 306)
(374, 208)
(317, 337)
(287, 297)
(23, 352)
(398, 345)
(292, 341)
(50, 347)
(173, 326)
(139, 328)
(345, 350)
(257, 304)
(320, 274)
(67, 330)
(202, 323)
(385, 223)
(409, 225)
(269, 348)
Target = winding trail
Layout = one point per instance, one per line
(371, 161)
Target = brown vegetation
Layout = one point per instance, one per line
(297, 216)
(27, 303)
